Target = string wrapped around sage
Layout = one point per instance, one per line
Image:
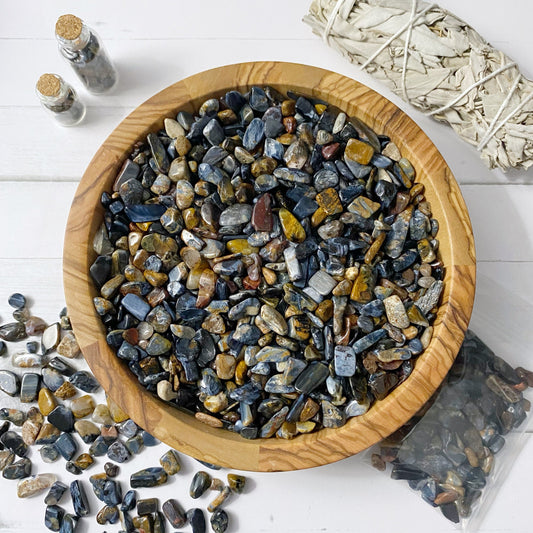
(439, 64)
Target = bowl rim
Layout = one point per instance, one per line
(219, 446)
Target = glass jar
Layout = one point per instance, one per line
(60, 99)
(84, 51)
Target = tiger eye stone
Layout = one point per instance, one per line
(363, 286)
(292, 229)
(263, 165)
(329, 201)
(358, 151)
(47, 402)
(241, 246)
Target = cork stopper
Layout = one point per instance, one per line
(69, 27)
(49, 85)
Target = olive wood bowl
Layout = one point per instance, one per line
(180, 429)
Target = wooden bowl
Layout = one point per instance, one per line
(180, 429)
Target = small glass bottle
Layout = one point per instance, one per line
(60, 99)
(83, 49)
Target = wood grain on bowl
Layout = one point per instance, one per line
(181, 430)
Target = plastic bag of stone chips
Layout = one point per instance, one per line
(457, 450)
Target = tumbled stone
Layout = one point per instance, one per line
(82, 406)
(396, 313)
(236, 483)
(66, 446)
(62, 418)
(48, 434)
(118, 452)
(13, 441)
(292, 229)
(6, 458)
(68, 347)
(85, 381)
(86, 430)
(219, 521)
(55, 494)
(170, 462)
(34, 485)
(174, 513)
(9, 382)
(149, 477)
(12, 332)
(79, 499)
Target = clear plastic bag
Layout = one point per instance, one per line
(458, 449)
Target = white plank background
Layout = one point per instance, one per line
(153, 46)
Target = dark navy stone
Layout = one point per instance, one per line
(68, 524)
(135, 305)
(66, 446)
(52, 378)
(196, 132)
(112, 493)
(258, 99)
(404, 261)
(85, 381)
(129, 502)
(365, 342)
(118, 452)
(17, 300)
(149, 440)
(214, 132)
(350, 193)
(304, 208)
(158, 152)
(99, 447)
(273, 128)
(306, 108)
(196, 519)
(3, 348)
(254, 134)
(144, 212)
(234, 100)
(135, 444)
(149, 477)
(79, 499)
(13, 441)
(18, 470)
(128, 352)
(56, 492)
(312, 377)
(248, 393)
(374, 308)
(53, 517)
(31, 347)
(219, 521)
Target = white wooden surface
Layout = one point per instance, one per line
(155, 44)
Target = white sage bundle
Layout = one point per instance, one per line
(439, 64)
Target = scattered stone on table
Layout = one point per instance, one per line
(200, 483)
(18, 470)
(219, 521)
(55, 494)
(9, 382)
(79, 499)
(118, 452)
(149, 477)
(35, 484)
(53, 517)
(68, 347)
(62, 418)
(170, 462)
(174, 513)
